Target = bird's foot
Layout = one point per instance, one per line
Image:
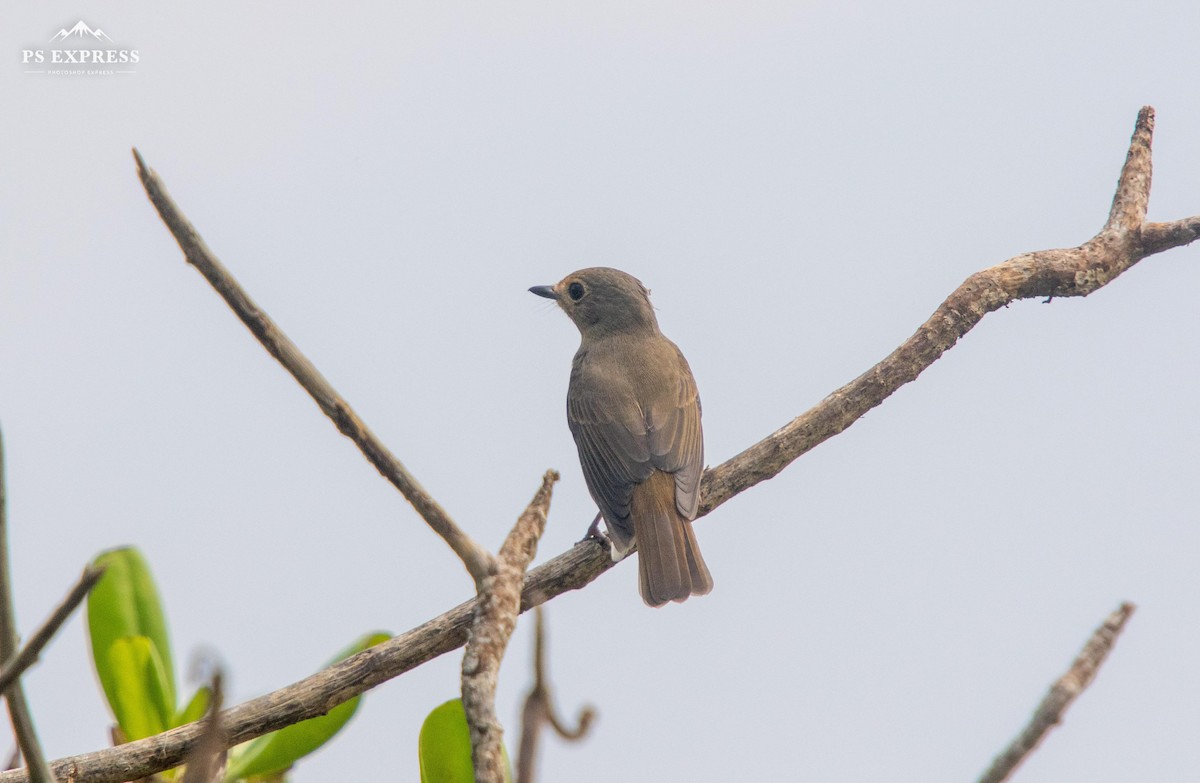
(594, 533)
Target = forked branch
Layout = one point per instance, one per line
(1124, 240)
(18, 707)
(539, 711)
(492, 624)
(29, 652)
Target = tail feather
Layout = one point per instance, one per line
(702, 581)
(670, 567)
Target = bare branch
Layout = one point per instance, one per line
(1062, 694)
(475, 558)
(28, 654)
(317, 694)
(18, 707)
(539, 708)
(1132, 199)
(492, 625)
(1076, 271)
(1052, 273)
(206, 760)
(1157, 237)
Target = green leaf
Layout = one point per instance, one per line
(138, 678)
(124, 603)
(444, 747)
(195, 708)
(275, 752)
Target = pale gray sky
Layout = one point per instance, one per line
(799, 183)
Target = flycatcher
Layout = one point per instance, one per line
(634, 411)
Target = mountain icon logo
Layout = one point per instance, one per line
(79, 31)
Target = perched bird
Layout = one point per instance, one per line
(633, 408)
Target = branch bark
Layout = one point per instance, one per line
(18, 707)
(28, 655)
(476, 559)
(539, 708)
(206, 760)
(492, 625)
(1062, 694)
(1123, 241)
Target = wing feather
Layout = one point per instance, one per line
(623, 436)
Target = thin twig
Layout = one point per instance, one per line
(18, 707)
(28, 654)
(1073, 272)
(475, 558)
(492, 626)
(1062, 694)
(206, 760)
(539, 708)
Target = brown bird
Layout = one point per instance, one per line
(633, 408)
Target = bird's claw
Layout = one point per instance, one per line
(594, 533)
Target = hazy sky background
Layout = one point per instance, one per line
(800, 184)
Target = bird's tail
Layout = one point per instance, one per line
(669, 562)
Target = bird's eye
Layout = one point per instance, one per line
(575, 291)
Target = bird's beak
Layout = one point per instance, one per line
(544, 290)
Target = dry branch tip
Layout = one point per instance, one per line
(1065, 690)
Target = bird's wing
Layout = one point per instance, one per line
(623, 436)
(675, 439)
(613, 451)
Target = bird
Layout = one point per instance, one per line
(634, 411)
